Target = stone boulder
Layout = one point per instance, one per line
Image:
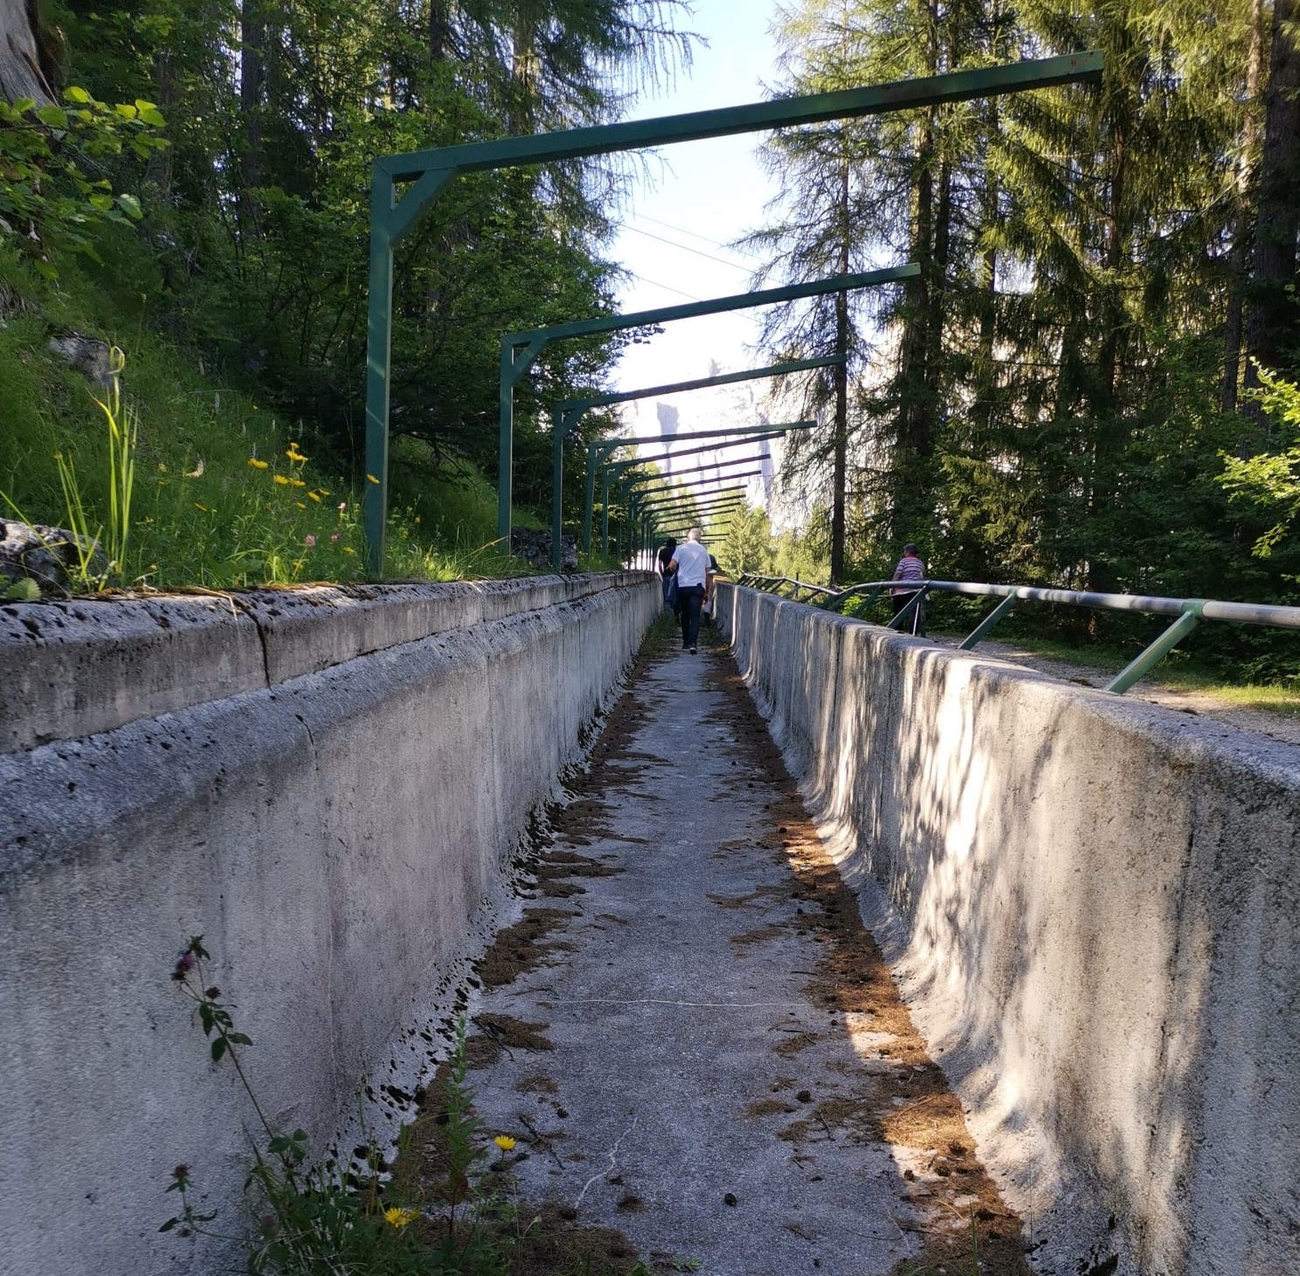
(534, 547)
(51, 556)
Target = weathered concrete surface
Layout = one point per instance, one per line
(1094, 908)
(699, 1064)
(91, 664)
(338, 837)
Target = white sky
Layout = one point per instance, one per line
(699, 197)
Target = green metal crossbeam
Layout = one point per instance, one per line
(600, 449)
(520, 349)
(432, 170)
(566, 415)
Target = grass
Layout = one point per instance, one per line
(1179, 671)
(226, 493)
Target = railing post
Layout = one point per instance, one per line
(977, 634)
(1159, 649)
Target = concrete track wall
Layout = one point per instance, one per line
(328, 786)
(1093, 907)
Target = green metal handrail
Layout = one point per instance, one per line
(1187, 612)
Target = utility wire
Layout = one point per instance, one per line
(704, 239)
(685, 248)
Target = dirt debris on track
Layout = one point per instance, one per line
(693, 1038)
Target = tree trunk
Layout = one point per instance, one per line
(840, 476)
(22, 73)
(439, 31)
(252, 86)
(1270, 319)
(1240, 252)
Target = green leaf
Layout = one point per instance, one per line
(23, 591)
(75, 94)
(103, 203)
(53, 116)
(218, 1049)
(125, 110)
(131, 206)
(169, 1224)
(149, 113)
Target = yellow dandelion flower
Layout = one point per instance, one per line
(315, 496)
(256, 464)
(294, 455)
(197, 506)
(504, 1142)
(347, 549)
(300, 505)
(281, 480)
(370, 478)
(297, 483)
(398, 1217)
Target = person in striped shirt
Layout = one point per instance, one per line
(910, 570)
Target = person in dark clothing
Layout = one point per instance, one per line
(668, 573)
(910, 571)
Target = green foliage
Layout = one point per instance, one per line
(1271, 479)
(318, 1221)
(49, 155)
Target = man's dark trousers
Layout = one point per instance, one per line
(690, 599)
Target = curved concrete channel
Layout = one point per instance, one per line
(690, 1034)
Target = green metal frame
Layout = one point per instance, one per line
(566, 414)
(430, 171)
(598, 451)
(519, 350)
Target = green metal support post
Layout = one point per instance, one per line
(429, 172)
(1158, 650)
(980, 632)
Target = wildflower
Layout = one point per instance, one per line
(162, 467)
(334, 536)
(342, 506)
(294, 455)
(297, 483)
(300, 505)
(256, 464)
(204, 508)
(181, 1173)
(347, 549)
(184, 964)
(309, 540)
(279, 478)
(314, 496)
(370, 478)
(399, 1217)
(504, 1142)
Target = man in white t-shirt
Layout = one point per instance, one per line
(691, 563)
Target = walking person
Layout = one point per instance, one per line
(709, 610)
(668, 573)
(910, 571)
(691, 563)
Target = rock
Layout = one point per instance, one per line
(90, 356)
(49, 556)
(534, 547)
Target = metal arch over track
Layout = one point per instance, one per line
(431, 170)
